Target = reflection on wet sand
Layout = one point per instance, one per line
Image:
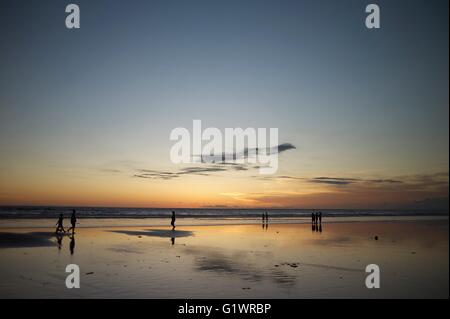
(233, 264)
(156, 233)
(72, 244)
(283, 261)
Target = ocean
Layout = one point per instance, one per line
(16, 212)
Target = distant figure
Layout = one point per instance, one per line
(313, 218)
(73, 221)
(59, 224)
(173, 220)
(263, 218)
(320, 218)
(267, 217)
(72, 244)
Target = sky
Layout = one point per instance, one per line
(86, 114)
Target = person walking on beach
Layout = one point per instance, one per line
(73, 221)
(59, 224)
(320, 218)
(313, 218)
(263, 218)
(267, 217)
(173, 220)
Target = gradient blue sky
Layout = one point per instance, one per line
(355, 102)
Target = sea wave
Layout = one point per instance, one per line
(106, 212)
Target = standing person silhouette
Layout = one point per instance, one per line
(267, 217)
(59, 224)
(313, 218)
(173, 220)
(73, 221)
(320, 218)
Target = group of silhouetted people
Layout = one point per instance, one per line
(265, 220)
(316, 218)
(60, 223)
(60, 231)
(316, 221)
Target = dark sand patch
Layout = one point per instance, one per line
(24, 240)
(156, 233)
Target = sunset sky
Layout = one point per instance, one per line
(86, 115)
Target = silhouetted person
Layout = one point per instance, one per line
(59, 224)
(313, 218)
(267, 217)
(72, 244)
(73, 221)
(320, 218)
(173, 220)
(263, 218)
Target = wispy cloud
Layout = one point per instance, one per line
(244, 154)
(353, 192)
(215, 164)
(338, 181)
(348, 180)
(192, 170)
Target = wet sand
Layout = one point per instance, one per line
(283, 260)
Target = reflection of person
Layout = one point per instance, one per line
(173, 220)
(72, 244)
(73, 221)
(59, 240)
(172, 240)
(59, 224)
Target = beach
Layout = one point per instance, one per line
(227, 259)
